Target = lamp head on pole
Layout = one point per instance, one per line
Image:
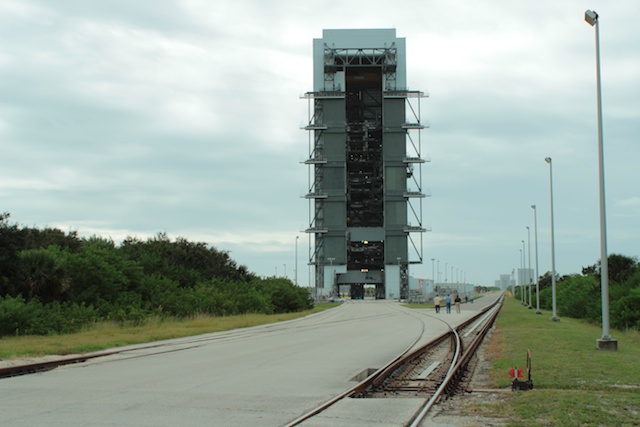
(591, 17)
(533, 207)
(547, 159)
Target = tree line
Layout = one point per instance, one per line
(55, 282)
(578, 295)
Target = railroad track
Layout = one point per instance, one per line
(432, 372)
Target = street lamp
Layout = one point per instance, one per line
(433, 272)
(520, 274)
(529, 267)
(513, 285)
(604, 343)
(554, 317)
(535, 236)
(524, 266)
(296, 266)
(446, 267)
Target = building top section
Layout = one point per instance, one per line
(341, 49)
(360, 38)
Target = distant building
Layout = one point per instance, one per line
(423, 287)
(505, 281)
(365, 190)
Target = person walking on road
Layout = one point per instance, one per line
(458, 300)
(436, 303)
(447, 301)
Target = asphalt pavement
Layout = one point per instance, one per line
(261, 376)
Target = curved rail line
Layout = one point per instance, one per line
(364, 382)
(462, 349)
(454, 376)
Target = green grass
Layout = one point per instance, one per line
(574, 383)
(108, 334)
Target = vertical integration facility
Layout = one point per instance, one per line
(365, 165)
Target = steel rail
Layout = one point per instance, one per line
(362, 384)
(451, 333)
(382, 374)
(459, 366)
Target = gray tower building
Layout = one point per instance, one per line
(365, 165)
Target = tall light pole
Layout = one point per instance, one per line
(535, 236)
(296, 266)
(520, 276)
(604, 343)
(529, 267)
(433, 272)
(554, 317)
(446, 267)
(524, 266)
(513, 285)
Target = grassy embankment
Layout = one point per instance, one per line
(574, 383)
(109, 334)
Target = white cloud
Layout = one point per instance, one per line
(632, 202)
(122, 119)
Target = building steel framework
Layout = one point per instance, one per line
(365, 172)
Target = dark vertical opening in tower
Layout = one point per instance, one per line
(365, 207)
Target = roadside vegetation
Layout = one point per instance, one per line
(578, 295)
(574, 383)
(105, 335)
(53, 282)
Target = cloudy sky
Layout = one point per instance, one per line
(129, 118)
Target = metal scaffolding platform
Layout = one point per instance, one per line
(365, 165)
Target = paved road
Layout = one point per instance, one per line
(262, 376)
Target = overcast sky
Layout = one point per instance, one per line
(128, 118)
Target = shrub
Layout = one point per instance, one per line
(579, 297)
(19, 317)
(625, 309)
(285, 296)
